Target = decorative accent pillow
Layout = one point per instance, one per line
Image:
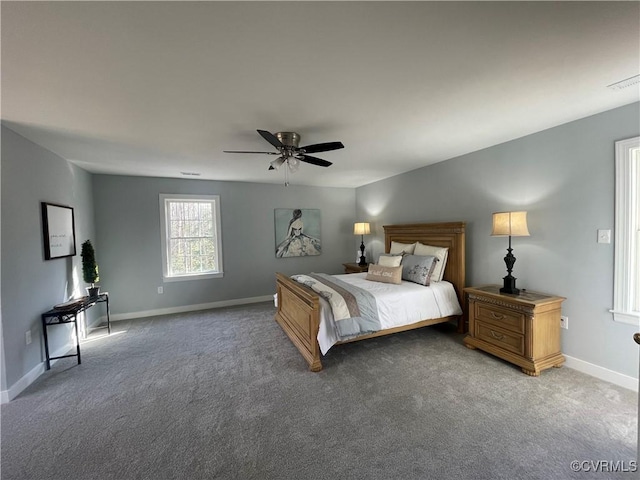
(378, 273)
(418, 268)
(398, 248)
(441, 253)
(387, 260)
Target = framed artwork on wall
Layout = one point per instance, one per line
(59, 232)
(297, 232)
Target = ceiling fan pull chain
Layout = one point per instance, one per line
(286, 173)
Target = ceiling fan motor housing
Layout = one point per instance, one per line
(288, 139)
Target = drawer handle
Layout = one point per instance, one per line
(497, 316)
(496, 335)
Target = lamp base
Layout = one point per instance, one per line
(363, 259)
(510, 285)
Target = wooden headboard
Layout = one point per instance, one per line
(448, 234)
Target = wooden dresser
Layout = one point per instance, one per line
(522, 329)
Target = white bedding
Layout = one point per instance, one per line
(398, 305)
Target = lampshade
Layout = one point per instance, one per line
(361, 228)
(510, 223)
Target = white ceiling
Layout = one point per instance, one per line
(160, 88)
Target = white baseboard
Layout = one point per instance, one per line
(16, 389)
(602, 373)
(7, 395)
(188, 308)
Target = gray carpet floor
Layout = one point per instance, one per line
(222, 394)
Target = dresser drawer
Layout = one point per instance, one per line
(500, 317)
(500, 338)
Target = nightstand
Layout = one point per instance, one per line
(355, 268)
(522, 329)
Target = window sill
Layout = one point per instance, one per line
(183, 278)
(630, 318)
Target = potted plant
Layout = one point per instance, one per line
(90, 268)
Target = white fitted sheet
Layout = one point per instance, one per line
(398, 305)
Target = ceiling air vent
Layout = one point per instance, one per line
(625, 83)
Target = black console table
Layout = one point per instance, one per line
(69, 314)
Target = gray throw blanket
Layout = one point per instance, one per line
(354, 310)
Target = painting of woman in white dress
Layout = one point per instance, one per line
(297, 232)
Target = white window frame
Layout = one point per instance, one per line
(626, 299)
(164, 236)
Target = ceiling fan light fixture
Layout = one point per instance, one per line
(275, 164)
(294, 163)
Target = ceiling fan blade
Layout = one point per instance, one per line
(322, 147)
(242, 151)
(271, 138)
(314, 160)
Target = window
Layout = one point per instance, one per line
(626, 288)
(190, 238)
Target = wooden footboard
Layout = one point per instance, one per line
(299, 316)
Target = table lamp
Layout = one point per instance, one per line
(362, 229)
(510, 224)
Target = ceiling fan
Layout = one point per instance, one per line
(290, 153)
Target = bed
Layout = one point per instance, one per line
(299, 307)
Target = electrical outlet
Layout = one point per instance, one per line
(160, 290)
(564, 322)
(604, 236)
(27, 337)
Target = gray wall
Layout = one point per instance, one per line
(128, 231)
(31, 284)
(564, 178)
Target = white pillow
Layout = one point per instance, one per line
(386, 260)
(398, 248)
(441, 253)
